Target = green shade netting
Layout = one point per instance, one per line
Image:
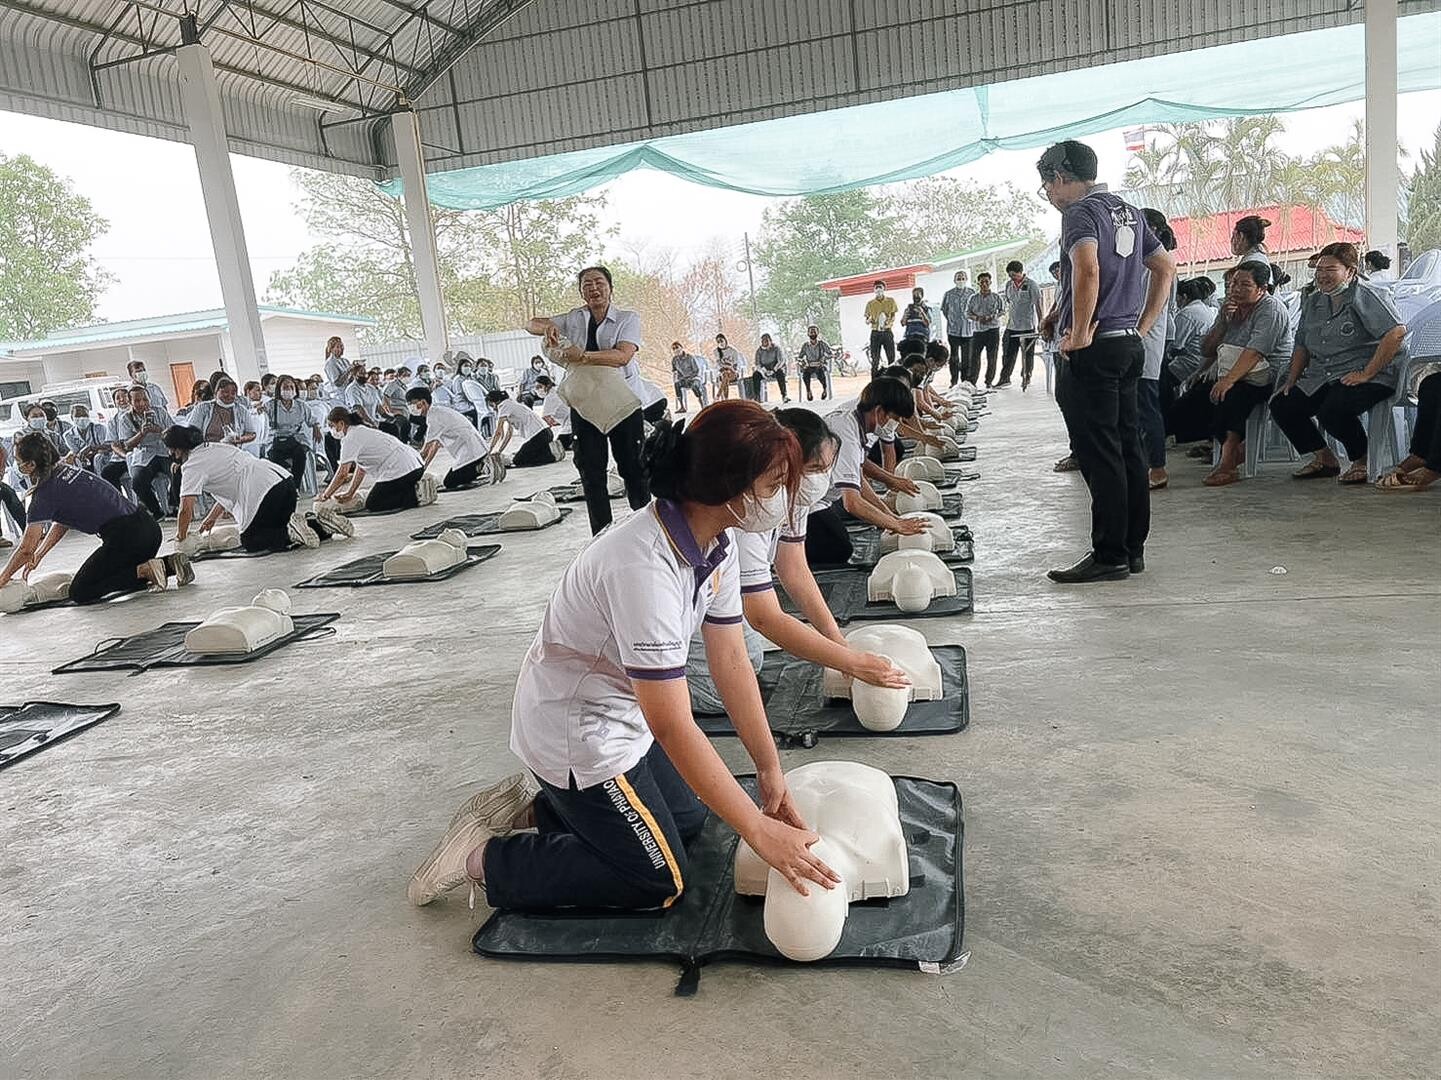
(866, 144)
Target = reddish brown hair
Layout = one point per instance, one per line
(721, 454)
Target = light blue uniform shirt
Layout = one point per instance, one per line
(1340, 334)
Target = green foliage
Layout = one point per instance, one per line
(1423, 224)
(48, 279)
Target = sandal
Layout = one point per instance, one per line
(1157, 485)
(1356, 474)
(1315, 470)
(1397, 481)
(1066, 464)
(1223, 478)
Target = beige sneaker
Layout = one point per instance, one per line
(497, 806)
(332, 520)
(154, 573)
(444, 867)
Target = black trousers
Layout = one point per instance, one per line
(618, 844)
(399, 426)
(882, 341)
(269, 529)
(125, 543)
(1236, 407)
(115, 473)
(654, 413)
(779, 376)
(142, 481)
(822, 376)
(1337, 407)
(696, 386)
(988, 342)
(1101, 411)
(1426, 437)
(624, 442)
(1024, 345)
(398, 494)
(1191, 416)
(535, 451)
(13, 505)
(960, 355)
(462, 475)
(332, 452)
(293, 454)
(828, 543)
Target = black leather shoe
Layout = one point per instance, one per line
(1138, 564)
(1088, 569)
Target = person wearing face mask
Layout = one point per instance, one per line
(882, 405)
(730, 369)
(392, 404)
(139, 436)
(779, 554)
(293, 431)
(959, 327)
(985, 310)
(519, 422)
(254, 393)
(525, 389)
(814, 360)
(1348, 341)
(258, 494)
(446, 429)
(67, 498)
(685, 370)
(880, 313)
(916, 319)
(116, 471)
(85, 441)
(338, 371)
(226, 418)
(554, 411)
(138, 375)
(602, 717)
(37, 421)
(469, 403)
(394, 468)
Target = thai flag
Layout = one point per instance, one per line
(1135, 138)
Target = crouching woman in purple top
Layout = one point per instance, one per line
(602, 713)
(66, 498)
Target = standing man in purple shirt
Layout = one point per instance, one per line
(1104, 307)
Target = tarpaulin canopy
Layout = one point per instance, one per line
(898, 140)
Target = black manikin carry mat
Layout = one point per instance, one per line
(798, 715)
(866, 543)
(240, 553)
(571, 493)
(370, 571)
(953, 505)
(480, 525)
(845, 593)
(921, 931)
(29, 728)
(165, 647)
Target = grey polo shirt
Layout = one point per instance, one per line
(1267, 330)
(1340, 334)
(985, 311)
(953, 307)
(1022, 301)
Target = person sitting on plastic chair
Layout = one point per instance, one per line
(1422, 466)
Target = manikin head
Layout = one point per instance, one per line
(1068, 172)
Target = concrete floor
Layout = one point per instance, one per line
(1201, 822)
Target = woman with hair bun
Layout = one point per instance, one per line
(67, 497)
(602, 716)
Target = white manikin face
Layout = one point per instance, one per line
(937, 537)
(926, 498)
(880, 708)
(922, 467)
(911, 580)
(853, 808)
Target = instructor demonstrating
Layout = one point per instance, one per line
(1104, 306)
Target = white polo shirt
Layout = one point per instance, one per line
(625, 609)
(758, 552)
(553, 407)
(618, 325)
(455, 433)
(236, 480)
(845, 424)
(522, 417)
(382, 456)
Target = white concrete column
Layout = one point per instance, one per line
(201, 100)
(405, 128)
(1383, 175)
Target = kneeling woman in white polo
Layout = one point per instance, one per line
(366, 451)
(602, 716)
(446, 428)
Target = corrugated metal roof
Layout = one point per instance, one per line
(1294, 230)
(188, 322)
(313, 82)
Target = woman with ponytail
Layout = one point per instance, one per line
(602, 717)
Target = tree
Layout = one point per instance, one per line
(941, 215)
(1423, 223)
(48, 279)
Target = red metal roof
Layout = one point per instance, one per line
(896, 278)
(1294, 231)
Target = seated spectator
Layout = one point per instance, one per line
(1347, 341)
(730, 368)
(139, 435)
(525, 390)
(1378, 267)
(224, 418)
(1422, 466)
(815, 362)
(293, 430)
(770, 364)
(1252, 342)
(445, 428)
(685, 370)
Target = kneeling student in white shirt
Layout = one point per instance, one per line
(514, 420)
(444, 427)
(394, 468)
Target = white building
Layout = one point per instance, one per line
(177, 349)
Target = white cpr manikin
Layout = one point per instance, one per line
(351, 506)
(239, 630)
(854, 809)
(925, 498)
(922, 467)
(910, 580)
(880, 708)
(600, 394)
(937, 537)
(950, 448)
(42, 589)
(220, 538)
(533, 513)
(422, 558)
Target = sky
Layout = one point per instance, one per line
(158, 245)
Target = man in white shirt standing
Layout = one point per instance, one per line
(609, 337)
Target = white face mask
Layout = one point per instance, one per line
(142, 377)
(287, 394)
(763, 515)
(38, 423)
(465, 369)
(813, 488)
(888, 429)
(415, 410)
